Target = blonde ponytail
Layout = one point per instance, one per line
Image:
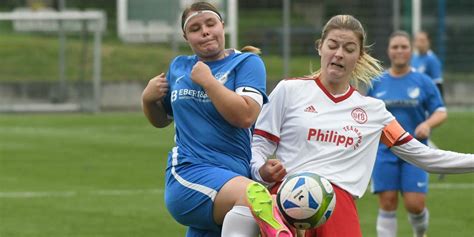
(367, 68)
(251, 49)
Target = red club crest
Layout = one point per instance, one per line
(359, 115)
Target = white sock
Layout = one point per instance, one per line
(387, 223)
(419, 222)
(239, 222)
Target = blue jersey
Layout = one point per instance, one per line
(410, 98)
(202, 134)
(428, 64)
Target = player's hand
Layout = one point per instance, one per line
(156, 89)
(272, 171)
(201, 74)
(422, 131)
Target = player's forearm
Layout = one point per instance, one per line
(434, 160)
(436, 119)
(262, 149)
(156, 114)
(238, 110)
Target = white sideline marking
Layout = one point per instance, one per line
(47, 194)
(451, 186)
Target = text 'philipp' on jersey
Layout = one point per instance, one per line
(202, 134)
(335, 137)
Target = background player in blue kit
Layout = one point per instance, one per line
(409, 96)
(425, 60)
(214, 97)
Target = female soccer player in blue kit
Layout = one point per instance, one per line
(425, 60)
(214, 97)
(414, 100)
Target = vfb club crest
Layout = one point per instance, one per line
(359, 115)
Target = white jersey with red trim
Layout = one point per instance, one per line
(309, 129)
(335, 137)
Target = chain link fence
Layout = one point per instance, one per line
(450, 25)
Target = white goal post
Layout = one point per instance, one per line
(99, 19)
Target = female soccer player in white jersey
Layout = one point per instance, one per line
(323, 125)
(214, 97)
(410, 96)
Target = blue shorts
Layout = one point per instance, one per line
(189, 195)
(395, 174)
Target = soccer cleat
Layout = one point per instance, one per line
(263, 209)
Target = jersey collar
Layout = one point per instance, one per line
(332, 97)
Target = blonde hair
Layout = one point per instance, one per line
(367, 67)
(251, 49)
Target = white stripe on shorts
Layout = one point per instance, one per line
(211, 193)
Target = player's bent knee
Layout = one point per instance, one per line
(415, 209)
(388, 201)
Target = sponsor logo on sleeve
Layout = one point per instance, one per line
(251, 90)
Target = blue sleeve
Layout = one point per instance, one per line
(375, 84)
(433, 99)
(251, 72)
(435, 69)
(370, 90)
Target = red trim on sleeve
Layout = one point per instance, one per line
(328, 94)
(404, 140)
(267, 135)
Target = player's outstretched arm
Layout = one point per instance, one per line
(432, 160)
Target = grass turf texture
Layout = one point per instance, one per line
(103, 175)
(27, 58)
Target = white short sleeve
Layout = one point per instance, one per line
(272, 115)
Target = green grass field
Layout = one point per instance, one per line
(103, 175)
(32, 58)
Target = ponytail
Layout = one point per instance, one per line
(367, 69)
(251, 49)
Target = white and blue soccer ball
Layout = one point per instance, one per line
(306, 200)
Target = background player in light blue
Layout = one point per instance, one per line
(425, 60)
(414, 100)
(214, 97)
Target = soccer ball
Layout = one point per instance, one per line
(306, 200)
